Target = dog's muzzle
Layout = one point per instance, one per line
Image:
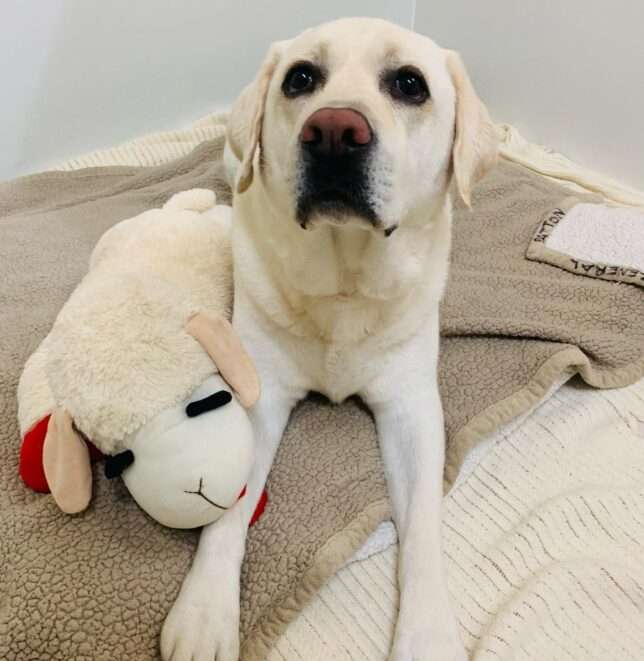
(335, 150)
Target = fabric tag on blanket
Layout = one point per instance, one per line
(592, 239)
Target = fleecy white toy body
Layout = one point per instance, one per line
(121, 363)
(118, 353)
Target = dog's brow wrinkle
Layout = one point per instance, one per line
(317, 55)
(392, 53)
(323, 50)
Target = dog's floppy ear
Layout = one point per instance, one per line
(66, 462)
(217, 337)
(247, 115)
(475, 149)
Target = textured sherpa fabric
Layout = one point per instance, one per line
(511, 326)
(98, 585)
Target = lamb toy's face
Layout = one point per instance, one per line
(190, 463)
(187, 463)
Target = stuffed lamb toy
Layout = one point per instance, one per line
(143, 365)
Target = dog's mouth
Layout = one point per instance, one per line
(335, 190)
(334, 206)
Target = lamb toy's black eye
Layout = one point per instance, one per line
(301, 79)
(408, 85)
(210, 403)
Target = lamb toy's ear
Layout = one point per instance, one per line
(217, 337)
(66, 462)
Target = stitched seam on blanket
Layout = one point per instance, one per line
(512, 406)
(522, 400)
(330, 558)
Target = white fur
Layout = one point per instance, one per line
(344, 310)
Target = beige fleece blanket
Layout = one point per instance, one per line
(98, 585)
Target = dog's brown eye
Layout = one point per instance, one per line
(409, 86)
(300, 79)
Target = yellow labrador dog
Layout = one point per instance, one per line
(343, 149)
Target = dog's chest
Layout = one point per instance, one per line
(345, 283)
(342, 319)
(341, 376)
(339, 370)
(351, 301)
(344, 344)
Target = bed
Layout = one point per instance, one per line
(544, 524)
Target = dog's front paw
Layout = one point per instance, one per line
(203, 623)
(427, 645)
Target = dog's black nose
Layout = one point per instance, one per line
(335, 131)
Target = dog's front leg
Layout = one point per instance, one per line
(204, 620)
(409, 418)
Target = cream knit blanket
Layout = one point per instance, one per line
(543, 542)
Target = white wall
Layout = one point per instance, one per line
(77, 75)
(567, 73)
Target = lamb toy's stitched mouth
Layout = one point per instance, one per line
(199, 492)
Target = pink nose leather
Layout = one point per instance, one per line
(334, 131)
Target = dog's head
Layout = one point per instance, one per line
(360, 120)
